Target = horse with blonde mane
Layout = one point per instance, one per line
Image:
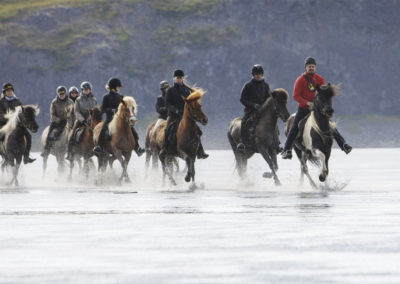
(121, 141)
(188, 136)
(13, 147)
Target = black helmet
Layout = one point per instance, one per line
(73, 89)
(61, 90)
(257, 69)
(86, 85)
(309, 60)
(179, 73)
(8, 86)
(113, 83)
(164, 84)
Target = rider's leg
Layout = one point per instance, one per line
(102, 137)
(28, 139)
(201, 154)
(167, 140)
(139, 150)
(71, 139)
(341, 142)
(49, 139)
(287, 150)
(244, 133)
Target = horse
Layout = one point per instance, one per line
(83, 147)
(14, 145)
(266, 140)
(314, 140)
(188, 136)
(154, 145)
(121, 142)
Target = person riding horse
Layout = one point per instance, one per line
(82, 105)
(161, 107)
(73, 93)
(110, 104)
(303, 92)
(175, 105)
(59, 109)
(254, 93)
(9, 102)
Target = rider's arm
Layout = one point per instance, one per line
(298, 88)
(244, 98)
(169, 101)
(77, 110)
(53, 114)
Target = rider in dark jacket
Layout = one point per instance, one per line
(109, 106)
(9, 102)
(254, 93)
(161, 107)
(175, 106)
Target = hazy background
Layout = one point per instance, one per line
(46, 43)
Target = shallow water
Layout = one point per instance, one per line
(227, 231)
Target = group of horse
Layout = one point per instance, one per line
(313, 142)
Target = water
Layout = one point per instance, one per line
(227, 231)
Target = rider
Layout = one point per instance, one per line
(254, 93)
(83, 103)
(303, 92)
(59, 109)
(9, 102)
(73, 93)
(110, 104)
(175, 105)
(161, 104)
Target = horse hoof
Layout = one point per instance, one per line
(322, 178)
(278, 183)
(187, 178)
(267, 175)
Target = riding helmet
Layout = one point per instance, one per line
(179, 73)
(113, 83)
(86, 85)
(61, 90)
(8, 86)
(73, 89)
(164, 84)
(257, 69)
(309, 60)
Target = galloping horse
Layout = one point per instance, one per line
(188, 136)
(121, 142)
(314, 141)
(265, 138)
(83, 147)
(13, 146)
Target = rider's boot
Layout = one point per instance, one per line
(200, 152)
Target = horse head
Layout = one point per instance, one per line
(128, 109)
(28, 117)
(193, 107)
(323, 99)
(95, 116)
(280, 98)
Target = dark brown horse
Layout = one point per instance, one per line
(13, 146)
(122, 142)
(83, 148)
(265, 140)
(188, 137)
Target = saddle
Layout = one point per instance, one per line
(79, 134)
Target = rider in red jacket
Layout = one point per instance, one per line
(303, 92)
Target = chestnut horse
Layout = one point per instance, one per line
(84, 147)
(188, 136)
(121, 142)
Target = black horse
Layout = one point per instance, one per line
(314, 140)
(266, 140)
(13, 147)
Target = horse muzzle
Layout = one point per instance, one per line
(132, 120)
(328, 112)
(204, 121)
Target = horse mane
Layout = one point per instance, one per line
(334, 89)
(197, 94)
(130, 102)
(314, 125)
(281, 92)
(12, 120)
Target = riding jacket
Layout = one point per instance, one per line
(6, 105)
(304, 89)
(174, 102)
(110, 104)
(60, 109)
(254, 92)
(82, 105)
(161, 107)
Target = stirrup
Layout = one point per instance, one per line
(347, 148)
(140, 151)
(287, 154)
(28, 159)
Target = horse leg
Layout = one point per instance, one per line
(324, 169)
(154, 161)
(189, 168)
(71, 167)
(166, 169)
(45, 158)
(127, 159)
(16, 171)
(271, 165)
(304, 169)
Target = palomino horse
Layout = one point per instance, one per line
(13, 146)
(83, 147)
(266, 141)
(154, 144)
(188, 136)
(314, 141)
(122, 141)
